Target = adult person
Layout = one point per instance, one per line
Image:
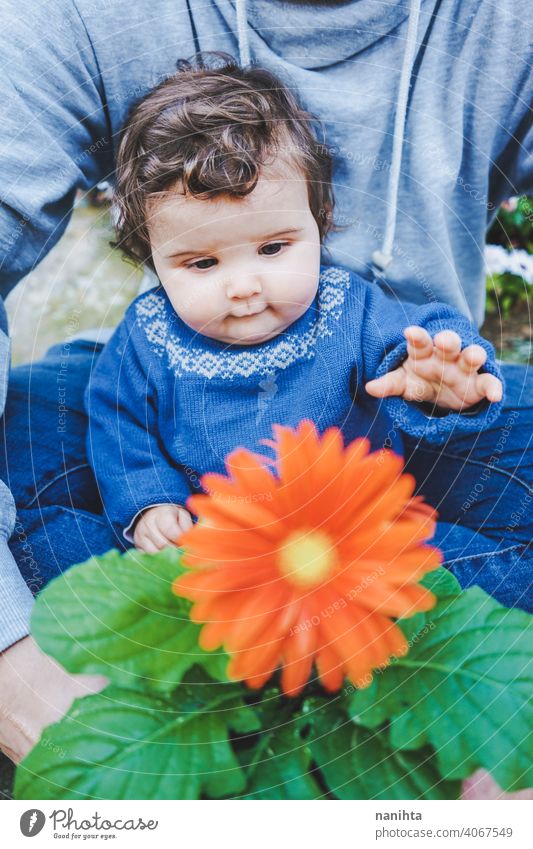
(425, 105)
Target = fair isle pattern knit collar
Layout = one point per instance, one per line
(191, 355)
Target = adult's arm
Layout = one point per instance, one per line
(16, 599)
(54, 139)
(55, 135)
(510, 105)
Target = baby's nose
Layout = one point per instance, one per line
(243, 286)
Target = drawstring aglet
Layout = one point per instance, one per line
(381, 262)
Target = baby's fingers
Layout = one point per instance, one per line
(184, 519)
(392, 383)
(489, 387)
(472, 358)
(168, 527)
(419, 342)
(149, 540)
(448, 344)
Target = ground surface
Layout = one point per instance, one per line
(83, 283)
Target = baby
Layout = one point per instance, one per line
(224, 191)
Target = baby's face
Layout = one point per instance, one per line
(239, 270)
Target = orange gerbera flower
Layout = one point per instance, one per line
(308, 565)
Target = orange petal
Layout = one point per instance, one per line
(324, 474)
(391, 542)
(260, 660)
(260, 615)
(220, 607)
(249, 472)
(330, 669)
(212, 636)
(298, 656)
(292, 463)
(396, 640)
(255, 682)
(203, 582)
(343, 633)
(371, 482)
(236, 516)
(382, 503)
(396, 601)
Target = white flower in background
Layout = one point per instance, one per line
(495, 259)
(521, 263)
(511, 205)
(498, 260)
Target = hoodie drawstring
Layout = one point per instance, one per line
(242, 34)
(382, 258)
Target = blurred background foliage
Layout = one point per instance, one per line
(509, 261)
(513, 227)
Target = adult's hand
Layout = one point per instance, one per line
(481, 785)
(34, 692)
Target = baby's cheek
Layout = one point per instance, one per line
(192, 302)
(304, 291)
(204, 307)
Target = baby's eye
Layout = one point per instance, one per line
(202, 264)
(272, 248)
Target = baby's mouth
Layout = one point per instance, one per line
(249, 312)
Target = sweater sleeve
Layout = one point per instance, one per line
(55, 130)
(131, 466)
(16, 599)
(384, 348)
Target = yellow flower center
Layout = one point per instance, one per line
(307, 557)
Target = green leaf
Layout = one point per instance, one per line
(465, 687)
(446, 587)
(277, 766)
(277, 761)
(442, 583)
(357, 763)
(124, 744)
(117, 616)
(281, 770)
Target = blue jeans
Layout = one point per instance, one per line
(482, 487)
(59, 512)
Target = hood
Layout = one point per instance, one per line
(335, 29)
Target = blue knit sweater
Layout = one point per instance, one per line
(167, 404)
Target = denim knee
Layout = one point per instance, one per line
(44, 458)
(504, 574)
(46, 542)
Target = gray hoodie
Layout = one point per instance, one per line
(425, 112)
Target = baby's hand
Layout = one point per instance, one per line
(160, 526)
(436, 370)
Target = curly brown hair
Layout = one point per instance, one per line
(207, 131)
